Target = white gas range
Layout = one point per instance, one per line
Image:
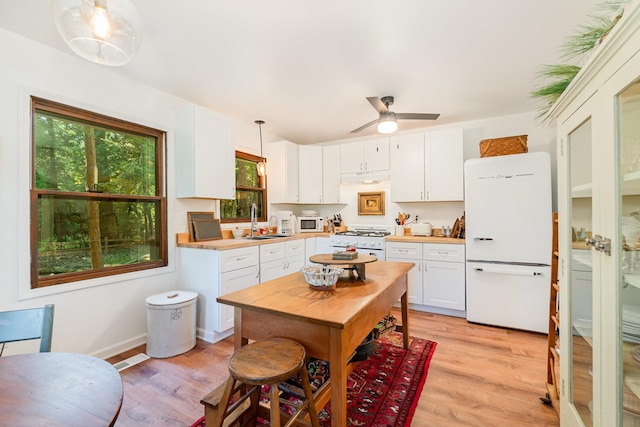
(368, 239)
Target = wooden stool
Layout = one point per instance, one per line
(265, 362)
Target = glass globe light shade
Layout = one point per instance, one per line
(387, 123)
(262, 168)
(103, 31)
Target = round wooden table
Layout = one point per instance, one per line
(58, 389)
(356, 264)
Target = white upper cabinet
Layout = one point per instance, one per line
(205, 155)
(407, 168)
(282, 172)
(331, 174)
(310, 170)
(427, 167)
(444, 163)
(365, 156)
(376, 155)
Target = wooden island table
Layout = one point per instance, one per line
(330, 324)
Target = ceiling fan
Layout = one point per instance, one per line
(388, 120)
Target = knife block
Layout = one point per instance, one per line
(343, 227)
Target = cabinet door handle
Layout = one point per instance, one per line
(403, 251)
(240, 258)
(482, 238)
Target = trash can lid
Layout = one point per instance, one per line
(171, 297)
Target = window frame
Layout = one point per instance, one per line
(92, 118)
(263, 189)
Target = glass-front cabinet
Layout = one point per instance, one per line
(598, 121)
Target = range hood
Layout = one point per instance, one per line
(365, 177)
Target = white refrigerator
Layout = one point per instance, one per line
(508, 231)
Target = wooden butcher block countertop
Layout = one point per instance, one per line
(226, 244)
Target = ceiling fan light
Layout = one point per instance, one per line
(106, 32)
(387, 123)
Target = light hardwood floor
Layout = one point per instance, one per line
(479, 376)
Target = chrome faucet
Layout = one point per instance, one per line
(254, 219)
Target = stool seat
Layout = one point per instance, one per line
(264, 362)
(267, 362)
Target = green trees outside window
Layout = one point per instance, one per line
(97, 195)
(249, 189)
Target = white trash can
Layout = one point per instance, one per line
(171, 323)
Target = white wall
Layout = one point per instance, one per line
(540, 138)
(103, 316)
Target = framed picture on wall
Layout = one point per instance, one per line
(371, 203)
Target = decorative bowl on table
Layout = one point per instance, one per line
(237, 233)
(322, 278)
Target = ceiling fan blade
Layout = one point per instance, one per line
(416, 116)
(365, 126)
(377, 104)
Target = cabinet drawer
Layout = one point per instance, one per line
(403, 250)
(271, 251)
(294, 248)
(234, 259)
(443, 252)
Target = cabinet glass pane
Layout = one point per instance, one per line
(629, 143)
(581, 292)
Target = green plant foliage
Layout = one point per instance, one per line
(563, 75)
(554, 79)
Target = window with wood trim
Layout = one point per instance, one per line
(98, 205)
(250, 188)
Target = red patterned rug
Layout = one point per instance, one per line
(384, 389)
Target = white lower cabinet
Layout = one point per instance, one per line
(444, 276)
(212, 273)
(317, 245)
(437, 282)
(408, 252)
(443, 284)
(323, 245)
(281, 258)
(232, 281)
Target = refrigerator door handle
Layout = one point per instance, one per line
(520, 273)
(482, 238)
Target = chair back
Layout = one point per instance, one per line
(28, 324)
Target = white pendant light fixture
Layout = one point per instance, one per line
(387, 122)
(103, 31)
(261, 166)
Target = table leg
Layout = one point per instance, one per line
(238, 339)
(404, 302)
(338, 367)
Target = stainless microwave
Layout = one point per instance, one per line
(310, 224)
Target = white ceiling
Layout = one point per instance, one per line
(305, 67)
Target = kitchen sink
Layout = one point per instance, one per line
(268, 236)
